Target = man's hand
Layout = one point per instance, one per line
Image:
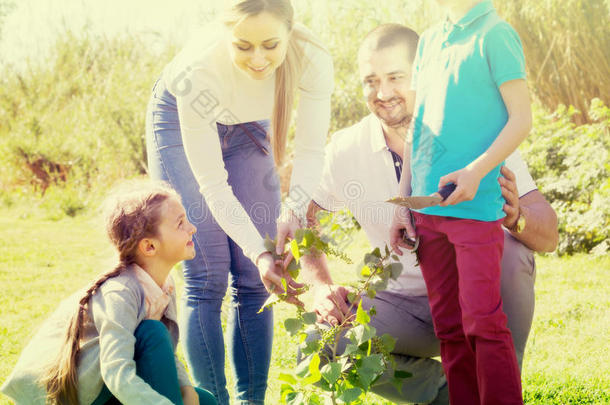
(331, 303)
(401, 225)
(511, 195)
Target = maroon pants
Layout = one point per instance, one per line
(460, 261)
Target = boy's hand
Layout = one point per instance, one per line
(467, 181)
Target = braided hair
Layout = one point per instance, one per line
(131, 213)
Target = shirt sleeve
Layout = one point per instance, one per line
(327, 193)
(523, 178)
(504, 54)
(116, 317)
(313, 121)
(197, 111)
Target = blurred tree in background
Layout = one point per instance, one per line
(73, 124)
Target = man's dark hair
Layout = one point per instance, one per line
(387, 35)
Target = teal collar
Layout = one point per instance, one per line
(479, 10)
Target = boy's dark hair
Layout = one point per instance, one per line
(386, 35)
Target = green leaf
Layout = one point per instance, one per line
(309, 318)
(269, 302)
(269, 243)
(387, 250)
(362, 316)
(361, 334)
(388, 342)
(350, 395)
(402, 374)
(371, 293)
(331, 372)
(379, 283)
(295, 398)
(310, 347)
(289, 378)
(308, 238)
(395, 258)
(373, 362)
(351, 296)
(350, 348)
(365, 271)
(371, 260)
(399, 377)
(293, 325)
(376, 253)
(366, 377)
(302, 368)
(294, 248)
(287, 391)
(395, 270)
(370, 368)
(298, 234)
(314, 370)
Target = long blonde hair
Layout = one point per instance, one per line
(288, 74)
(130, 216)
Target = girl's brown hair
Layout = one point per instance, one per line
(288, 73)
(131, 214)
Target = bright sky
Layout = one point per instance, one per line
(34, 24)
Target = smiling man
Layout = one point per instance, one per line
(362, 169)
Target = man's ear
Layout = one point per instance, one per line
(148, 247)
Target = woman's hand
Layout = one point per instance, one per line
(287, 226)
(467, 181)
(189, 395)
(272, 273)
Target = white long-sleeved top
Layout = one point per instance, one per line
(209, 88)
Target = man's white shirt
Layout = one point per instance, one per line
(359, 174)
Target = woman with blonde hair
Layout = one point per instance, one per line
(217, 125)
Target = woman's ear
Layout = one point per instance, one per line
(147, 247)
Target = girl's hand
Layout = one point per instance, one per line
(189, 395)
(272, 273)
(467, 181)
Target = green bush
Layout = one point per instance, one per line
(77, 121)
(571, 165)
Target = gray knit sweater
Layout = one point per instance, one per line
(115, 310)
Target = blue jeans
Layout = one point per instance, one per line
(154, 357)
(253, 178)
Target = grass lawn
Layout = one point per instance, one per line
(566, 362)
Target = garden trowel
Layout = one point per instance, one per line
(418, 202)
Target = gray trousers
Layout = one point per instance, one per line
(409, 321)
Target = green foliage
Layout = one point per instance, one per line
(566, 46)
(343, 377)
(76, 122)
(571, 165)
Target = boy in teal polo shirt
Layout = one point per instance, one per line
(472, 110)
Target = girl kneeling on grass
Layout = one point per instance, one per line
(116, 340)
